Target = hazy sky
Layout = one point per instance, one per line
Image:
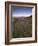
(21, 11)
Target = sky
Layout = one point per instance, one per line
(21, 11)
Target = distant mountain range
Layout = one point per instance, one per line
(23, 19)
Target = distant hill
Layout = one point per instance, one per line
(23, 27)
(23, 19)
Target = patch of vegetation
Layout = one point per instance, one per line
(23, 27)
